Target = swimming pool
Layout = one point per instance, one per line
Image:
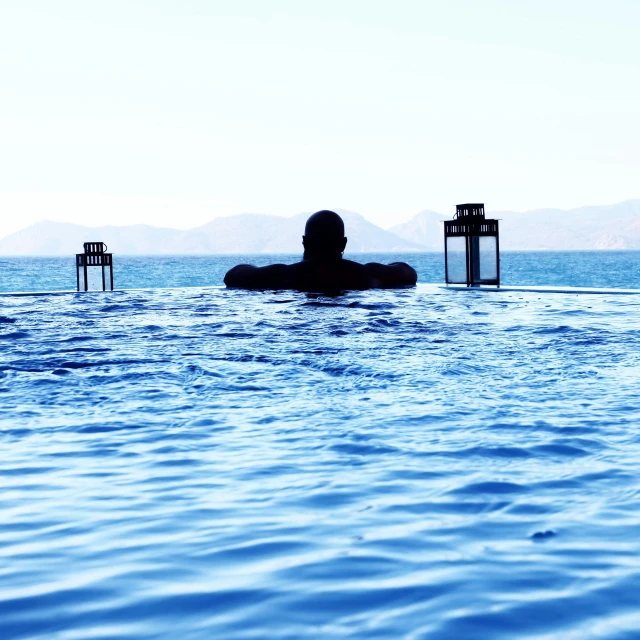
(423, 463)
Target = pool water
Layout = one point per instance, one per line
(421, 463)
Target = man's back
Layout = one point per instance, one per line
(323, 267)
(319, 276)
(314, 275)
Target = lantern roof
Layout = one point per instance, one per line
(95, 248)
(470, 209)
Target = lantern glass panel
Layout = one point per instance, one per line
(107, 277)
(94, 277)
(486, 265)
(457, 260)
(81, 283)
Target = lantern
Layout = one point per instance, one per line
(94, 268)
(471, 247)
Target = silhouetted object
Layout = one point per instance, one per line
(323, 269)
(94, 259)
(471, 247)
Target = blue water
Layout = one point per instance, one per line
(619, 269)
(423, 463)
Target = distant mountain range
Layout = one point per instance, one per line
(614, 226)
(602, 227)
(240, 234)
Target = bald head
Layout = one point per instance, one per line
(324, 236)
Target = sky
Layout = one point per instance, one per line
(173, 113)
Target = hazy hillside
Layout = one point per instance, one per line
(246, 233)
(604, 227)
(59, 238)
(425, 228)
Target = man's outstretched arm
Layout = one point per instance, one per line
(396, 274)
(246, 276)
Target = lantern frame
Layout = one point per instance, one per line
(94, 256)
(470, 223)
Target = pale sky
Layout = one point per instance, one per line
(175, 112)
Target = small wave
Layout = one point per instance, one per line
(14, 335)
(560, 450)
(562, 329)
(448, 507)
(490, 487)
(362, 449)
(494, 452)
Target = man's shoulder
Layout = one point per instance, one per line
(354, 266)
(247, 276)
(396, 274)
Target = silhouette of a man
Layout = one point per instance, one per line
(322, 268)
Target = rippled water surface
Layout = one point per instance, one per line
(423, 463)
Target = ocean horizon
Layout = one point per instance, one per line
(601, 269)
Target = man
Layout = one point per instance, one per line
(323, 269)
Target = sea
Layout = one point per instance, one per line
(620, 269)
(182, 461)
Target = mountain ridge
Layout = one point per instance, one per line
(245, 233)
(603, 227)
(599, 227)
